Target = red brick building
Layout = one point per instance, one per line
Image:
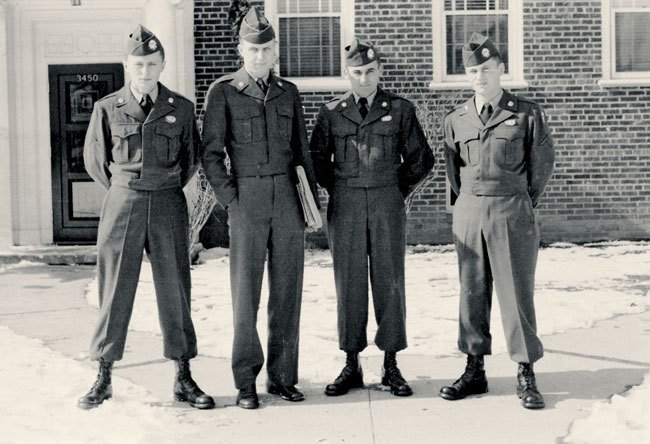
(586, 62)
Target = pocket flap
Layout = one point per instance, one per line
(124, 130)
(386, 129)
(508, 132)
(344, 130)
(466, 136)
(169, 131)
(285, 111)
(245, 112)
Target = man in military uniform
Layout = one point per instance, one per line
(369, 152)
(499, 156)
(258, 118)
(142, 145)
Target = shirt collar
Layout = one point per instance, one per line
(265, 80)
(138, 96)
(480, 101)
(370, 98)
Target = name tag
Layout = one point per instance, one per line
(387, 118)
(511, 122)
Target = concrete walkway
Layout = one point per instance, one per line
(580, 367)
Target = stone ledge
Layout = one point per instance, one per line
(51, 255)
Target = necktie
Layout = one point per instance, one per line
(486, 113)
(262, 85)
(146, 104)
(363, 107)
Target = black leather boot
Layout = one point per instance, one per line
(527, 391)
(247, 397)
(286, 392)
(392, 377)
(101, 390)
(351, 377)
(472, 382)
(186, 390)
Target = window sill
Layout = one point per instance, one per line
(510, 84)
(613, 83)
(320, 84)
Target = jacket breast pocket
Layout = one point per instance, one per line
(127, 142)
(345, 141)
(168, 143)
(469, 144)
(383, 142)
(247, 123)
(508, 147)
(285, 122)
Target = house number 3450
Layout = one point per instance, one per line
(87, 77)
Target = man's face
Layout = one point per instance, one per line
(486, 78)
(258, 59)
(364, 79)
(144, 71)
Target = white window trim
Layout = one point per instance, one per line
(319, 84)
(610, 78)
(514, 79)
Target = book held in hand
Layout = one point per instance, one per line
(309, 208)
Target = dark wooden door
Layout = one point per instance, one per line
(76, 199)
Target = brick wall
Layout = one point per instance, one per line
(600, 188)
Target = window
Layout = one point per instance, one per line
(311, 36)
(456, 20)
(626, 40)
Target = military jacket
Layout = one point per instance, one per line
(124, 148)
(511, 154)
(263, 134)
(388, 147)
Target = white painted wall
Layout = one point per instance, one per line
(6, 206)
(43, 32)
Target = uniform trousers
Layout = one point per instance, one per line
(497, 240)
(265, 221)
(366, 230)
(132, 221)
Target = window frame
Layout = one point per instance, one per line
(610, 77)
(441, 80)
(322, 83)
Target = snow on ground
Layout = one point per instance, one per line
(575, 287)
(39, 402)
(21, 264)
(622, 420)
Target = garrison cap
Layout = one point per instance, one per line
(255, 28)
(142, 42)
(479, 49)
(360, 52)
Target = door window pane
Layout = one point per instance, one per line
(87, 198)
